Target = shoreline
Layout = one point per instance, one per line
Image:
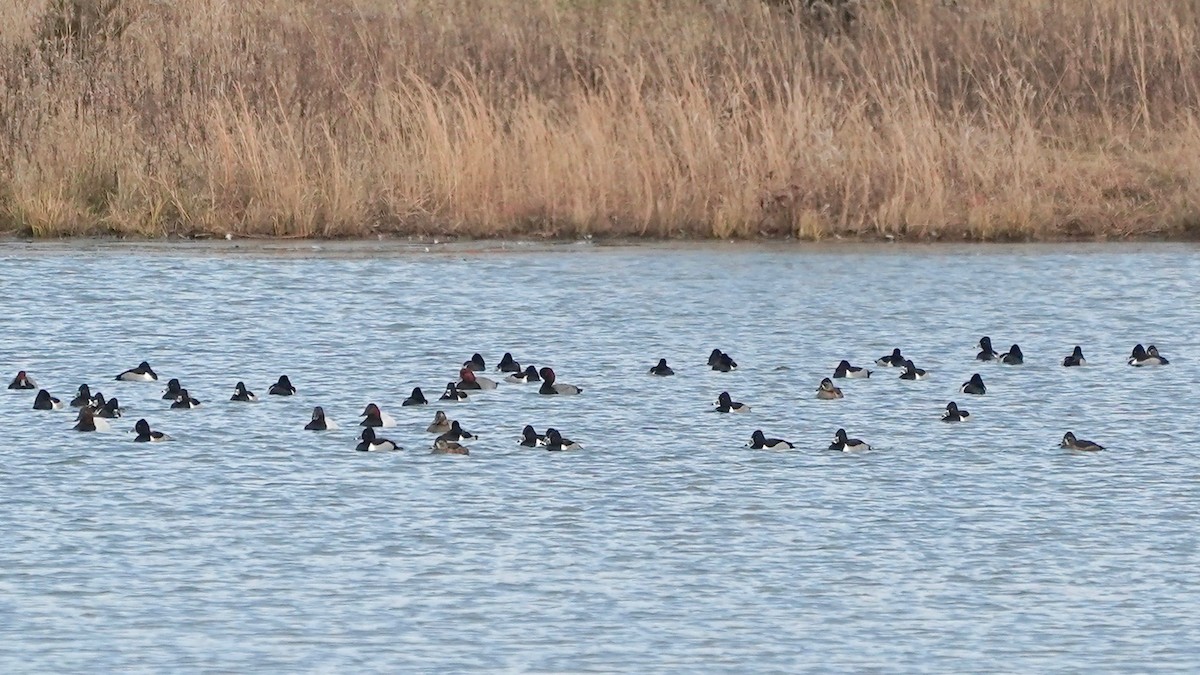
(515, 246)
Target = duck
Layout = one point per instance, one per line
(44, 401)
(440, 425)
(1075, 359)
(1069, 441)
(758, 441)
(475, 363)
(986, 353)
(417, 397)
(319, 422)
(1152, 352)
(549, 387)
(110, 410)
(662, 369)
(974, 386)
(22, 381)
(145, 435)
(556, 443)
(1146, 357)
(452, 393)
(282, 387)
(98, 401)
(371, 443)
(844, 369)
(725, 404)
(911, 372)
(242, 394)
(441, 447)
(530, 438)
(456, 433)
(172, 390)
(893, 360)
(374, 417)
(83, 397)
(827, 391)
(723, 363)
(1013, 356)
(467, 379)
(87, 421)
(844, 444)
(530, 374)
(1138, 355)
(184, 401)
(953, 414)
(143, 373)
(714, 356)
(508, 364)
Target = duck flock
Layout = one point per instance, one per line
(95, 411)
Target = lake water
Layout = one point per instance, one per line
(249, 544)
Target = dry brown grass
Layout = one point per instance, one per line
(1025, 119)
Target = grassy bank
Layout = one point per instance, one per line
(704, 118)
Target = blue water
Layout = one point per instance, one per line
(665, 544)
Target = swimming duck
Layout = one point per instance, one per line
(508, 365)
(98, 401)
(530, 438)
(110, 410)
(549, 386)
(440, 425)
(467, 379)
(725, 404)
(529, 375)
(844, 369)
(893, 360)
(83, 397)
(22, 381)
(442, 447)
(371, 443)
(319, 422)
(1069, 441)
(953, 414)
(475, 363)
(911, 372)
(242, 394)
(827, 391)
(722, 363)
(172, 390)
(452, 393)
(760, 442)
(283, 387)
(44, 401)
(1146, 357)
(456, 433)
(417, 397)
(1013, 356)
(185, 401)
(662, 369)
(145, 435)
(374, 417)
(556, 443)
(87, 421)
(1139, 354)
(1075, 359)
(986, 353)
(844, 444)
(143, 373)
(974, 386)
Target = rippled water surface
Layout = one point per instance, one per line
(665, 545)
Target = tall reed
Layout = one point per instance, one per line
(919, 119)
